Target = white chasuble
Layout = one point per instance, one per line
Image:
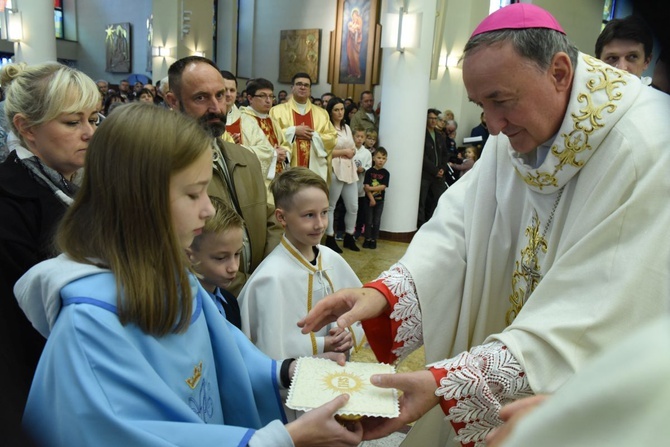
(552, 262)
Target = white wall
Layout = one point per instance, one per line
(92, 19)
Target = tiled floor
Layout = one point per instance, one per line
(368, 264)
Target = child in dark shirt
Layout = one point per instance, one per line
(375, 183)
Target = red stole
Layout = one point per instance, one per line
(235, 128)
(302, 144)
(269, 130)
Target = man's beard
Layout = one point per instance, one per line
(215, 129)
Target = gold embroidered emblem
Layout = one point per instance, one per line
(526, 274)
(343, 382)
(588, 120)
(195, 378)
(528, 268)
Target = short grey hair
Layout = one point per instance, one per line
(165, 85)
(539, 45)
(452, 123)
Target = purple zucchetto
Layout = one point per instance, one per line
(518, 16)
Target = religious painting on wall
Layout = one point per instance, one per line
(354, 41)
(117, 46)
(299, 51)
(355, 48)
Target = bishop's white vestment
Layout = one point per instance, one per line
(534, 266)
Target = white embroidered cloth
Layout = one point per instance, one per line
(317, 381)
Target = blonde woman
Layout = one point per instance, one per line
(51, 111)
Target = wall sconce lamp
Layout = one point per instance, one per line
(161, 52)
(449, 60)
(14, 25)
(402, 30)
(199, 53)
(452, 60)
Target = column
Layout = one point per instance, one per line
(39, 33)
(404, 102)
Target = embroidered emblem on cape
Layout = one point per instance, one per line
(527, 270)
(410, 333)
(202, 404)
(195, 378)
(570, 148)
(481, 382)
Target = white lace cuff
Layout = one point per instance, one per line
(407, 310)
(481, 381)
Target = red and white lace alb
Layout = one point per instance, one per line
(477, 382)
(410, 333)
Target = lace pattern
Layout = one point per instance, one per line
(410, 333)
(481, 381)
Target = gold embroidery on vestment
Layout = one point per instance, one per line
(526, 274)
(195, 378)
(588, 120)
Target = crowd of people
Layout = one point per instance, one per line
(170, 258)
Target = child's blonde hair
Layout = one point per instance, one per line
(286, 185)
(224, 219)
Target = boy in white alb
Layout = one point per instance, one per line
(363, 160)
(297, 274)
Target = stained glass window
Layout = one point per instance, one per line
(58, 18)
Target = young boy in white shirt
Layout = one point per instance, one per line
(363, 160)
(297, 274)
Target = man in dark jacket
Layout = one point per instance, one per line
(434, 166)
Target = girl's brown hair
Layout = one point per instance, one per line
(121, 216)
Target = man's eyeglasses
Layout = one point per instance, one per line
(302, 84)
(264, 97)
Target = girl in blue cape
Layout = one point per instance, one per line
(137, 353)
